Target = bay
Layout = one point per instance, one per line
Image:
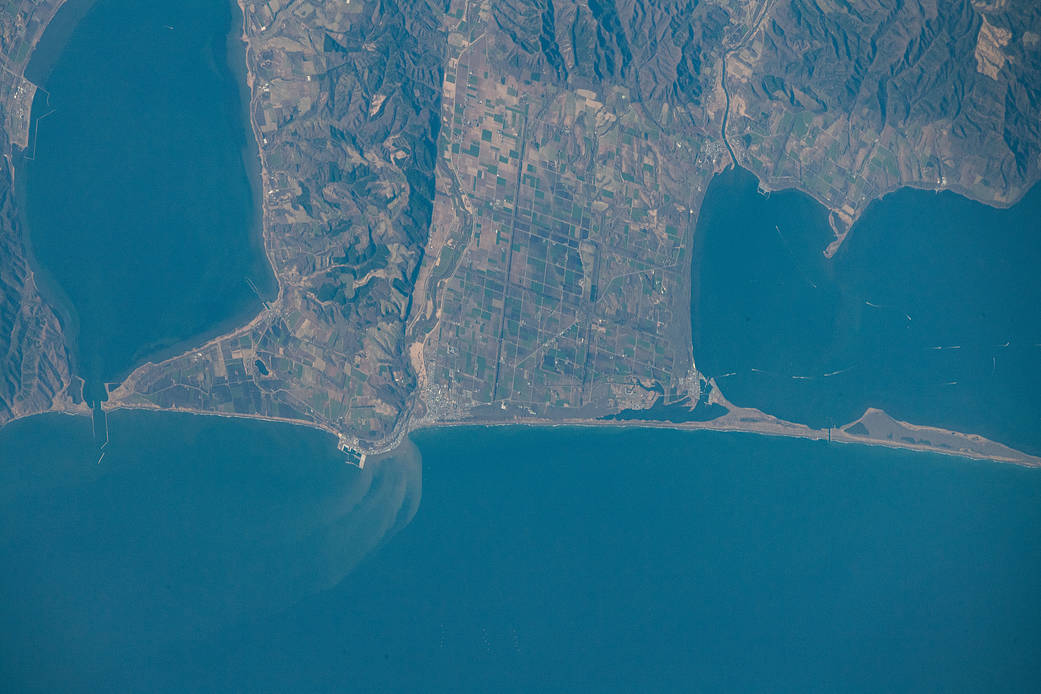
(141, 189)
(928, 310)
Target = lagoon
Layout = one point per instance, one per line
(928, 311)
(141, 192)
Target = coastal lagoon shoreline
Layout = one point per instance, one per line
(765, 425)
(259, 283)
(238, 63)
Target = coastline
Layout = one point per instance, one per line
(263, 173)
(774, 184)
(842, 220)
(811, 435)
(51, 39)
(765, 426)
(737, 420)
(256, 172)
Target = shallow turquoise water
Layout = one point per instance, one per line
(203, 554)
(138, 196)
(786, 330)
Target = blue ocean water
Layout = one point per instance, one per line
(138, 195)
(929, 310)
(187, 526)
(205, 554)
(210, 554)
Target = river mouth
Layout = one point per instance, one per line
(141, 186)
(928, 310)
